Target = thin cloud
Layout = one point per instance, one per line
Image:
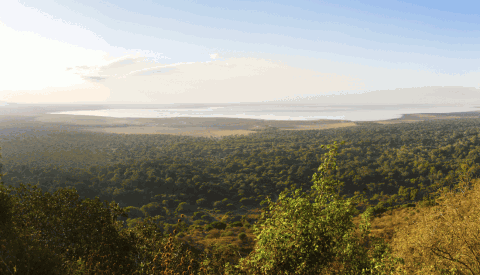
(232, 80)
(162, 71)
(94, 78)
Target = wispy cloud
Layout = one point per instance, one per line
(162, 70)
(230, 80)
(68, 52)
(94, 78)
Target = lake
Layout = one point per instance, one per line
(273, 111)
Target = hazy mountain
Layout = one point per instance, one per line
(425, 95)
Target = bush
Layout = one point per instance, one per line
(199, 222)
(198, 215)
(379, 208)
(227, 233)
(131, 222)
(310, 233)
(90, 227)
(408, 205)
(214, 233)
(235, 224)
(445, 239)
(219, 225)
(208, 227)
(208, 218)
(195, 226)
(242, 236)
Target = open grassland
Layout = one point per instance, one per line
(201, 127)
(324, 126)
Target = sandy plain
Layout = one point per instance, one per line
(24, 118)
(211, 127)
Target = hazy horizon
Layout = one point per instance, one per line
(339, 52)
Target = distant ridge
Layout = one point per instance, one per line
(4, 103)
(448, 95)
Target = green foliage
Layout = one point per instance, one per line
(242, 236)
(132, 222)
(50, 228)
(309, 232)
(219, 225)
(135, 212)
(236, 224)
(6, 209)
(227, 233)
(184, 207)
(64, 227)
(208, 227)
(219, 259)
(237, 172)
(20, 254)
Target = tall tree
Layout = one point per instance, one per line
(309, 232)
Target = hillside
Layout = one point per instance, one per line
(216, 186)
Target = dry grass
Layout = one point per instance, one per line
(396, 121)
(200, 127)
(444, 238)
(201, 238)
(385, 224)
(324, 126)
(80, 120)
(216, 133)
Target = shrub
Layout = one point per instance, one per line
(199, 222)
(208, 227)
(236, 224)
(219, 225)
(445, 237)
(227, 233)
(208, 218)
(214, 233)
(242, 236)
(195, 226)
(91, 232)
(197, 215)
(310, 233)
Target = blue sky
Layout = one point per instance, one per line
(232, 51)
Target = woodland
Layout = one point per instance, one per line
(352, 200)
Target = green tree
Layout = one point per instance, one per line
(309, 232)
(19, 253)
(56, 232)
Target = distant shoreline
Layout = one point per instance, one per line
(274, 112)
(37, 117)
(219, 127)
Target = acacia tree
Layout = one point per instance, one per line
(53, 230)
(310, 232)
(19, 252)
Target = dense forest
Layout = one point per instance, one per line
(390, 164)
(215, 184)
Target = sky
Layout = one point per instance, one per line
(181, 51)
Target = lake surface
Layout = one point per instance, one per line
(274, 111)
